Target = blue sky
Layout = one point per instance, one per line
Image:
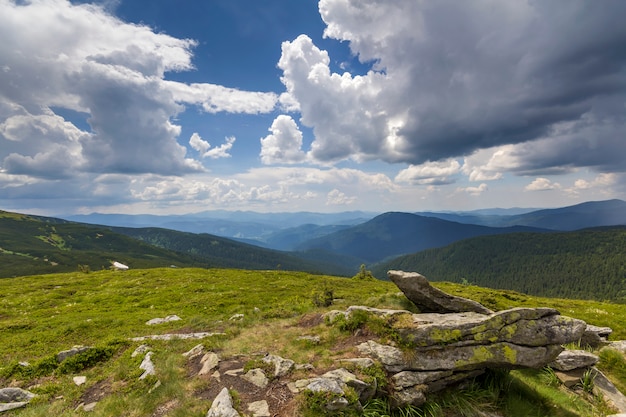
(178, 107)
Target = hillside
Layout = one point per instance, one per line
(239, 315)
(36, 245)
(393, 234)
(590, 263)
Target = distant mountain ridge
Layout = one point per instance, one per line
(392, 234)
(576, 217)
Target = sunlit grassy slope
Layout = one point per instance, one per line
(42, 315)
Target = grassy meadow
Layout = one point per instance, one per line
(45, 314)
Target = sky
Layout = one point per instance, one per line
(174, 107)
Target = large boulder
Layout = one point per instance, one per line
(430, 299)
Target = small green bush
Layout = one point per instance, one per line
(85, 360)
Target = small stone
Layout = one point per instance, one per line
(360, 362)
(234, 372)
(222, 406)
(257, 377)
(141, 349)
(281, 366)
(147, 365)
(90, 406)
(61, 356)
(160, 320)
(236, 317)
(79, 380)
(194, 351)
(259, 409)
(313, 339)
(209, 361)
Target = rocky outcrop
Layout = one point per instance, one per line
(430, 299)
(460, 340)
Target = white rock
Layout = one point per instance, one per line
(259, 409)
(79, 380)
(222, 406)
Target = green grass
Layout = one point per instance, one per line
(43, 315)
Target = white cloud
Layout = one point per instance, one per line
(430, 173)
(542, 184)
(284, 144)
(205, 150)
(338, 198)
(475, 191)
(58, 56)
(510, 72)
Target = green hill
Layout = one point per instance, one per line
(586, 264)
(38, 245)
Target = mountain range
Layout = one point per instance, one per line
(335, 244)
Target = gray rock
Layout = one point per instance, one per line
(140, 350)
(602, 385)
(63, 355)
(12, 406)
(325, 385)
(175, 336)
(9, 395)
(430, 299)
(222, 406)
(197, 350)
(574, 359)
(360, 362)
(160, 320)
(79, 380)
(147, 366)
(406, 379)
(209, 361)
(281, 366)
(313, 339)
(259, 409)
(364, 390)
(391, 357)
(595, 336)
(257, 377)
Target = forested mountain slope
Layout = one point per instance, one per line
(393, 234)
(586, 264)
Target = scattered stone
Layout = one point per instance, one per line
(222, 406)
(335, 402)
(61, 356)
(570, 378)
(160, 320)
(197, 350)
(12, 406)
(259, 409)
(619, 345)
(281, 366)
(313, 339)
(174, 336)
(236, 317)
(147, 365)
(9, 395)
(90, 406)
(574, 359)
(303, 366)
(155, 386)
(234, 372)
(141, 349)
(364, 390)
(209, 361)
(430, 299)
(79, 380)
(360, 362)
(257, 377)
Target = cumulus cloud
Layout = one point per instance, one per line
(57, 57)
(284, 144)
(338, 198)
(430, 173)
(507, 73)
(205, 150)
(542, 184)
(475, 191)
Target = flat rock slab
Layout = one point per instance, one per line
(430, 299)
